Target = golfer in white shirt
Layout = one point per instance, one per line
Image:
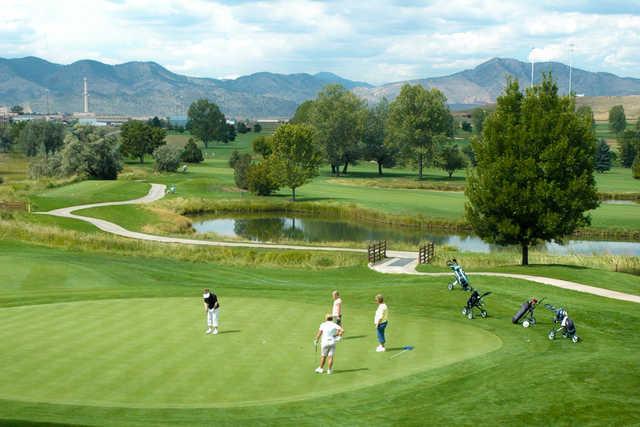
(330, 334)
(336, 311)
(381, 319)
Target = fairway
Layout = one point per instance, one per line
(154, 353)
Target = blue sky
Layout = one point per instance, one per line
(375, 41)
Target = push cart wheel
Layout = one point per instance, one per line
(464, 311)
(575, 339)
(470, 315)
(552, 335)
(525, 324)
(450, 286)
(483, 314)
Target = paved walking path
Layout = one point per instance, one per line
(400, 262)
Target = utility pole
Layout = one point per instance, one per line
(47, 94)
(570, 65)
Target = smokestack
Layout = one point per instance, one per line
(85, 95)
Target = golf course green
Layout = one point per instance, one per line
(152, 352)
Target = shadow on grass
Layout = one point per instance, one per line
(396, 349)
(346, 371)
(354, 337)
(230, 331)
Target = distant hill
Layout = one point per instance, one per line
(147, 88)
(484, 83)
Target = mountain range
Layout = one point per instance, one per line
(147, 88)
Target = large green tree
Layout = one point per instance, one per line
(303, 113)
(41, 137)
(534, 178)
(450, 158)
(338, 116)
(207, 123)
(628, 145)
(416, 117)
(297, 156)
(376, 147)
(139, 138)
(617, 119)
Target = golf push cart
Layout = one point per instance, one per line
(567, 327)
(461, 278)
(526, 309)
(475, 301)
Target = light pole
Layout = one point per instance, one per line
(570, 65)
(533, 61)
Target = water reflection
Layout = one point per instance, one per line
(259, 228)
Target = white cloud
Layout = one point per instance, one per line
(376, 40)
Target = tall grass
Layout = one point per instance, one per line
(196, 206)
(56, 237)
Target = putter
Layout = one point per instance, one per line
(404, 350)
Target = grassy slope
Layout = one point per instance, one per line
(508, 385)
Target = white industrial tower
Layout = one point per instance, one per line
(85, 95)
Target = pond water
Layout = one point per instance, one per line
(269, 228)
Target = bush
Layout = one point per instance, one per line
(46, 166)
(167, 158)
(240, 169)
(262, 178)
(635, 168)
(192, 153)
(257, 128)
(233, 158)
(262, 145)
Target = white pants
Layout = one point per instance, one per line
(212, 317)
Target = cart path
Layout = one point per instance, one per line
(403, 262)
(409, 267)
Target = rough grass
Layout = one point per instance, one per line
(55, 237)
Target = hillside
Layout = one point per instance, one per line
(484, 83)
(147, 88)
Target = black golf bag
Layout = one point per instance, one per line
(527, 308)
(476, 300)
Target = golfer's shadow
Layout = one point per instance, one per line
(353, 337)
(395, 349)
(230, 331)
(346, 371)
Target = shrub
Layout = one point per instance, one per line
(192, 153)
(240, 169)
(635, 168)
(257, 128)
(262, 145)
(46, 166)
(167, 158)
(262, 178)
(233, 158)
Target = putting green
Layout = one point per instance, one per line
(154, 352)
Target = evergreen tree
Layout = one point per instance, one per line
(603, 156)
(628, 143)
(534, 180)
(192, 153)
(617, 119)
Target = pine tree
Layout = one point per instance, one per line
(603, 156)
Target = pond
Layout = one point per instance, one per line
(271, 228)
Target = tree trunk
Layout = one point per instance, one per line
(293, 194)
(142, 159)
(379, 168)
(525, 254)
(420, 165)
(333, 169)
(344, 170)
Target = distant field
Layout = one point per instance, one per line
(602, 104)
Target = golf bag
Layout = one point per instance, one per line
(476, 300)
(567, 327)
(527, 308)
(461, 278)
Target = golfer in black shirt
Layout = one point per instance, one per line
(211, 307)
